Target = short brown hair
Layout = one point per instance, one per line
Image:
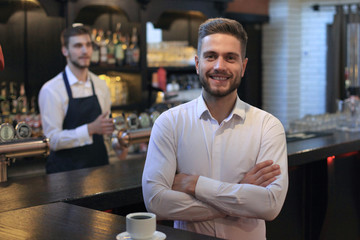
(73, 30)
(225, 26)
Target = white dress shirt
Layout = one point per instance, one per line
(53, 104)
(187, 139)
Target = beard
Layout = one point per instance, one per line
(77, 64)
(218, 92)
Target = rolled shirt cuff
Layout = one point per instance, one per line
(83, 134)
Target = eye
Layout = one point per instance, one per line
(232, 58)
(210, 56)
(77, 45)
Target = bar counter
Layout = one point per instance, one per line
(119, 184)
(99, 188)
(311, 204)
(59, 221)
(330, 144)
(324, 189)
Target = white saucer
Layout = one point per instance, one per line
(125, 236)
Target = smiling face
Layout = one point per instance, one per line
(220, 65)
(78, 51)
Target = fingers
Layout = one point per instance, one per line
(105, 114)
(267, 175)
(268, 170)
(106, 124)
(101, 125)
(266, 183)
(262, 174)
(258, 167)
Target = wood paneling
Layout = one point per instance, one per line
(249, 6)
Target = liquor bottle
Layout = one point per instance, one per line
(135, 50)
(5, 104)
(12, 98)
(119, 51)
(111, 48)
(103, 48)
(95, 57)
(33, 105)
(22, 107)
(128, 50)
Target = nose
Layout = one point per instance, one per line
(85, 49)
(219, 64)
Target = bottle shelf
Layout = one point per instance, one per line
(102, 69)
(189, 68)
(125, 107)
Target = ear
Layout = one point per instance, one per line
(64, 51)
(244, 63)
(197, 64)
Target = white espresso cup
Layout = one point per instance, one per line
(141, 225)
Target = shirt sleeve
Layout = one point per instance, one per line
(248, 200)
(52, 117)
(158, 177)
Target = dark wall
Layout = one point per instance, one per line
(250, 89)
(31, 45)
(12, 43)
(44, 57)
(183, 29)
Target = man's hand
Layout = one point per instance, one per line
(185, 183)
(101, 125)
(262, 174)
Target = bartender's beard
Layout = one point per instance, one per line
(76, 63)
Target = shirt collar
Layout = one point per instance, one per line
(72, 79)
(239, 108)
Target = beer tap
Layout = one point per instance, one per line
(18, 148)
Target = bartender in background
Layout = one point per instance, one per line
(74, 108)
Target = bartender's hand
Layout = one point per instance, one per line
(185, 183)
(101, 125)
(262, 174)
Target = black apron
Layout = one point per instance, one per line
(80, 111)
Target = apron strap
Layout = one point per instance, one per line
(92, 85)
(67, 85)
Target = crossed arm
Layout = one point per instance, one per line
(262, 174)
(257, 195)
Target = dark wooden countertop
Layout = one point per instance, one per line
(66, 221)
(314, 149)
(99, 188)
